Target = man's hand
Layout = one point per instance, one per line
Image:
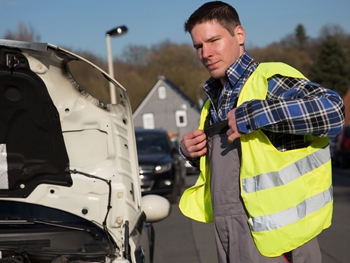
(194, 144)
(232, 133)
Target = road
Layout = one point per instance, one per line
(334, 242)
(182, 240)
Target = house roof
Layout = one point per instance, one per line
(180, 92)
(173, 87)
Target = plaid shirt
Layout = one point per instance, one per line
(292, 108)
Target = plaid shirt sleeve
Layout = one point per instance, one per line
(293, 106)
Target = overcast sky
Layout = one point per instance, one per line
(82, 24)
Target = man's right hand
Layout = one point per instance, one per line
(194, 144)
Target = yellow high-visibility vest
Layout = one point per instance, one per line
(288, 195)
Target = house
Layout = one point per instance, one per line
(167, 107)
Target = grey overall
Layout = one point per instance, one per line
(232, 235)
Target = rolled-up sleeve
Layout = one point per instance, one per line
(295, 106)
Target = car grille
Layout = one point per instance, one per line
(146, 184)
(146, 169)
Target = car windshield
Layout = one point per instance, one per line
(151, 143)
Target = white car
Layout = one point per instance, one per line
(69, 176)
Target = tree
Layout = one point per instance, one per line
(339, 33)
(275, 52)
(300, 35)
(297, 40)
(332, 68)
(135, 54)
(332, 30)
(23, 33)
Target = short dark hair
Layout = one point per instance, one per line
(222, 12)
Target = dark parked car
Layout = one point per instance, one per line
(341, 150)
(158, 163)
(186, 167)
(69, 179)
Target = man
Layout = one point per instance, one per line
(261, 146)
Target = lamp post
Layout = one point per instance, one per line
(117, 31)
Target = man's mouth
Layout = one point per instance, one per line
(211, 65)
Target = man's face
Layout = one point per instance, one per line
(217, 49)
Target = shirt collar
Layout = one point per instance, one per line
(234, 72)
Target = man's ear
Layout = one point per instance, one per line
(240, 33)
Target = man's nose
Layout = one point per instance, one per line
(206, 51)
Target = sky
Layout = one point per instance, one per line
(81, 25)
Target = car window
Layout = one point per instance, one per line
(151, 143)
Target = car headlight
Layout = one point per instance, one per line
(162, 168)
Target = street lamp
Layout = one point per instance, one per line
(117, 31)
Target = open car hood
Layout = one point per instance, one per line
(67, 159)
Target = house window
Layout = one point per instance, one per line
(148, 120)
(181, 118)
(161, 93)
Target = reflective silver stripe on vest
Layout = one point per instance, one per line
(4, 177)
(280, 219)
(287, 174)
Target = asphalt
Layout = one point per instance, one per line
(180, 239)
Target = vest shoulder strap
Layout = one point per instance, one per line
(253, 88)
(269, 69)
